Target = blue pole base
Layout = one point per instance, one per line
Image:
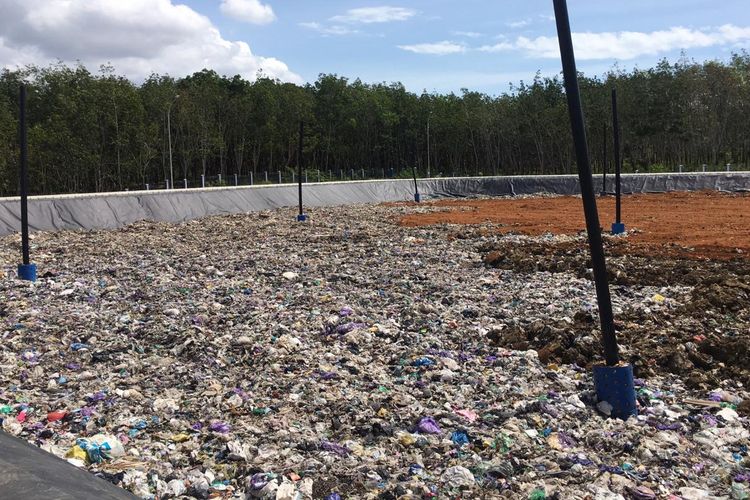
(301, 217)
(417, 197)
(614, 384)
(618, 228)
(27, 272)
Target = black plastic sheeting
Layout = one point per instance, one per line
(30, 473)
(113, 210)
(568, 184)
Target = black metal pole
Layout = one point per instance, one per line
(618, 162)
(604, 160)
(299, 162)
(416, 189)
(24, 179)
(570, 74)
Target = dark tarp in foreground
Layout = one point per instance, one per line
(30, 473)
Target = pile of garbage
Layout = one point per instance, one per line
(251, 356)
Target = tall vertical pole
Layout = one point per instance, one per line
(428, 145)
(299, 163)
(618, 162)
(24, 180)
(604, 159)
(169, 135)
(417, 197)
(572, 91)
(26, 270)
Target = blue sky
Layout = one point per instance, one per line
(437, 45)
(371, 51)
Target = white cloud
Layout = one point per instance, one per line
(498, 47)
(436, 49)
(734, 34)
(137, 37)
(468, 34)
(626, 45)
(333, 30)
(250, 11)
(623, 45)
(369, 15)
(518, 24)
(363, 15)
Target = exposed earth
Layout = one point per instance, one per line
(699, 224)
(698, 240)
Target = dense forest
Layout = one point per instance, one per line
(101, 132)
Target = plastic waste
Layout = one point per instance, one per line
(457, 476)
(395, 363)
(428, 425)
(101, 447)
(54, 416)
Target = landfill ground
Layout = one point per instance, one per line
(703, 224)
(384, 352)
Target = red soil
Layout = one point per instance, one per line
(698, 224)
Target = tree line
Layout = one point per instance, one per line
(102, 132)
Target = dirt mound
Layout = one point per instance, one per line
(704, 339)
